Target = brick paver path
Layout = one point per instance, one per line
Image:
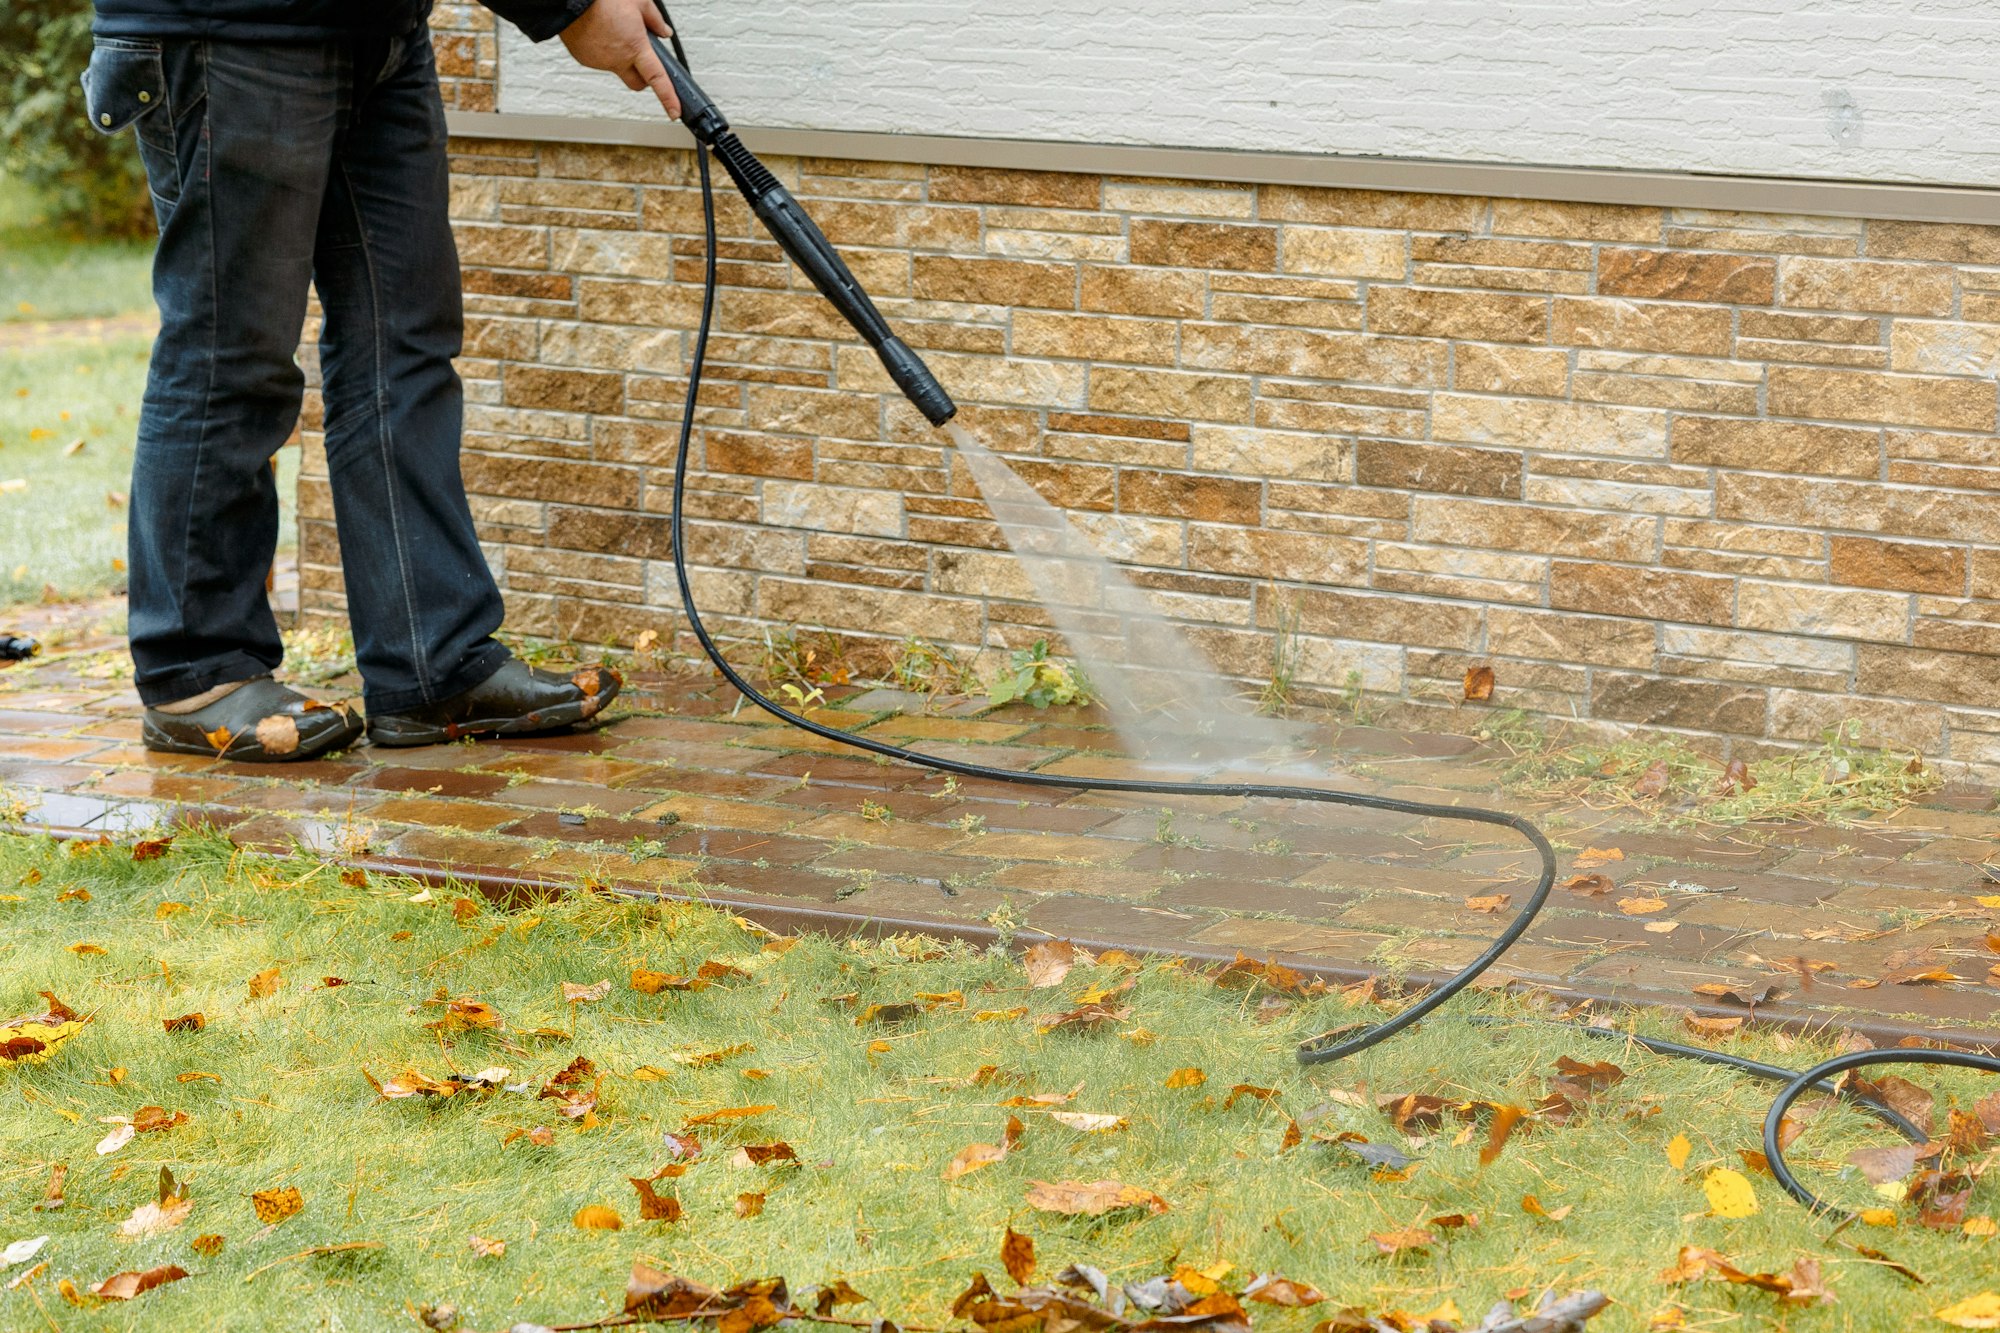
(688, 794)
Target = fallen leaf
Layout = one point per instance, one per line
(265, 984)
(275, 1205)
(466, 1014)
(1049, 962)
(21, 1251)
(1981, 1311)
(1533, 1207)
(1641, 906)
(653, 1207)
(1654, 781)
(1186, 1078)
(1591, 857)
(1883, 1165)
(1590, 886)
(763, 1154)
(484, 1248)
(1092, 1199)
(1729, 1193)
(1489, 903)
(1735, 778)
(1088, 1017)
(574, 993)
(52, 1198)
(597, 1217)
(727, 1114)
(125, 1286)
(151, 849)
(1505, 1120)
(169, 1208)
(1017, 1255)
(974, 1156)
(749, 1205)
(1250, 1090)
(1750, 994)
(1478, 684)
(1406, 1238)
(185, 1023)
(1272, 1289)
(119, 1136)
(1678, 1149)
(1085, 1122)
(207, 1246)
(1712, 1027)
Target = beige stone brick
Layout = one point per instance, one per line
(1096, 338)
(657, 304)
(904, 226)
(1448, 469)
(1137, 291)
(1808, 716)
(1952, 242)
(1178, 495)
(1683, 275)
(1856, 284)
(1867, 562)
(1345, 252)
(611, 347)
(1641, 326)
(614, 162)
(1484, 316)
(613, 253)
(1896, 672)
(1907, 400)
(789, 504)
(778, 408)
(1489, 368)
(503, 247)
(1204, 245)
(1261, 554)
(1823, 656)
(1793, 327)
(1792, 608)
(1693, 705)
(1437, 571)
(529, 478)
(1015, 381)
(1652, 594)
(1820, 354)
(1054, 245)
(1893, 511)
(1538, 424)
(1037, 189)
(1377, 618)
(1241, 451)
(1196, 199)
(1971, 450)
(1583, 222)
(1554, 636)
(1004, 282)
(564, 390)
(1311, 313)
(1681, 395)
(1314, 355)
(1370, 208)
(1952, 348)
(1518, 527)
(1776, 446)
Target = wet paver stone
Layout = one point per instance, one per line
(683, 793)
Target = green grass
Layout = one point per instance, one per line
(47, 276)
(62, 531)
(874, 1114)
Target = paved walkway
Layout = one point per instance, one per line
(40, 333)
(687, 794)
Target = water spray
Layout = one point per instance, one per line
(808, 247)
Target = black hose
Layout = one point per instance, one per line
(1335, 1046)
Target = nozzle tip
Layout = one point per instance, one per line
(914, 378)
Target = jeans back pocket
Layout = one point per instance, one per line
(123, 82)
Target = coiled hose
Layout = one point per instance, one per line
(1334, 1046)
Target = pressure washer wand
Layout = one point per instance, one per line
(804, 242)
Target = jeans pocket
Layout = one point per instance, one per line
(124, 82)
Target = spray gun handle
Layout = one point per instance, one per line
(703, 119)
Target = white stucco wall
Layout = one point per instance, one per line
(1885, 90)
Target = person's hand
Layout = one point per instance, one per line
(611, 35)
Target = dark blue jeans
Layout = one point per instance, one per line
(274, 166)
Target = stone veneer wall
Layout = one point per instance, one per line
(1733, 474)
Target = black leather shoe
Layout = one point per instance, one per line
(260, 722)
(515, 699)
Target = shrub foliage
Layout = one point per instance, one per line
(89, 182)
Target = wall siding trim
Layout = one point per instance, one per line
(1748, 194)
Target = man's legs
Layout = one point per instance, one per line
(238, 161)
(420, 596)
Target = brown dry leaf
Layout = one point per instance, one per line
(1590, 885)
(763, 1154)
(1405, 1238)
(409, 1083)
(1533, 1207)
(463, 910)
(1017, 1255)
(154, 1119)
(597, 1217)
(1505, 1120)
(1248, 973)
(151, 849)
(749, 1205)
(218, 739)
(653, 1207)
(575, 993)
(86, 949)
(265, 984)
(1478, 684)
(1000, 1015)
(1186, 1078)
(1941, 1198)
(466, 1014)
(1882, 1165)
(1489, 903)
(1592, 857)
(1412, 1111)
(125, 1286)
(652, 983)
(541, 1136)
(653, 1295)
(1250, 1090)
(1752, 994)
(727, 1114)
(1641, 906)
(1272, 1289)
(1719, 1028)
(1654, 781)
(1088, 1018)
(1043, 1100)
(1735, 778)
(207, 1246)
(1092, 1199)
(168, 1209)
(1293, 1136)
(275, 1205)
(1049, 962)
(52, 1198)
(976, 1155)
(1898, 1094)
(484, 1248)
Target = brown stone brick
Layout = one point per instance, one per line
(1896, 672)
(1570, 221)
(502, 247)
(1490, 317)
(1310, 354)
(1482, 368)
(1444, 468)
(530, 478)
(1907, 400)
(1520, 527)
(905, 226)
(1204, 245)
(758, 455)
(616, 162)
(1646, 327)
(1653, 594)
(1554, 636)
(563, 390)
(1776, 446)
(1376, 618)
(1138, 291)
(542, 286)
(1856, 284)
(1792, 327)
(1175, 395)
(1952, 242)
(1095, 338)
(1035, 189)
(1370, 208)
(1180, 495)
(1674, 701)
(1684, 275)
(1010, 282)
(1296, 556)
(1809, 716)
(1865, 562)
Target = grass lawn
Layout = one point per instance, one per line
(874, 1104)
(64, 527)
(48, 276)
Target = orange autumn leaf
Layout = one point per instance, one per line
(654, 1207)
(1017, 1255)
(597, 1217)
(265, 984)
(275, 1205)
(1478, 684)
(726, 1114)
(1091, 1199)
(1186, 1078)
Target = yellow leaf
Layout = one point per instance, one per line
(597, 1217)
(1981, 1226)
(1186, 1078)
(1678, 1149)
(274, 1206)
(1729, 1193)
(1878, 1217)
(1981, 1311)
(265, 984)
(1991, 900)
